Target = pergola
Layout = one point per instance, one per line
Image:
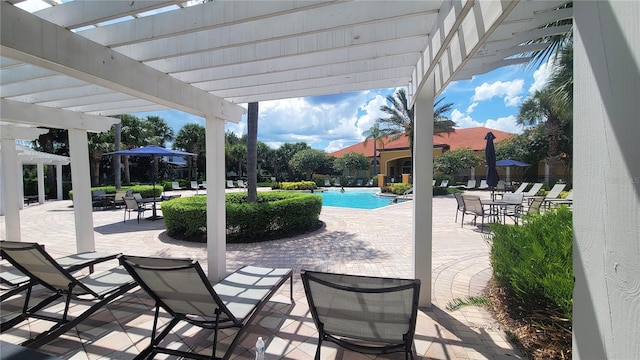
(73, 64)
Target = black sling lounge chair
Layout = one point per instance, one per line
(370, 315)
(13, 281)
(180, 287)
(99, 288)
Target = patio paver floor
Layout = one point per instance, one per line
(367, 242)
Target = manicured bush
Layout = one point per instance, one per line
(534, 261)
(299, 185)
(276, 214)
(400, 188)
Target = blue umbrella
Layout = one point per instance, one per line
(153, 152)
(490, 154)
(509, 162)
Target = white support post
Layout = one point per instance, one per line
(41, 191)
(59, 182)
(422, 190)
(81, 184)
(216, 214)
(10, 183)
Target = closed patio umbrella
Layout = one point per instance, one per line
(490, 157)
(153, 152)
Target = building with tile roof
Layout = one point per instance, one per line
(394, 156)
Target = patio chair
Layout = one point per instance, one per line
(460, 206)
(473, 206)
(98, 288)
(534, 208)
(175, 186)
(512, 211)
(369, 315)
(230, 184)
(132, 205)
(180, 287)
(14, 281)
(118, 200)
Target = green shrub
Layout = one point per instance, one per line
(400, 188)
(535, 260)
(299, 185)
(276, 214)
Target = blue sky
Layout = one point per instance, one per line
(336, 121)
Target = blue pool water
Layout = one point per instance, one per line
(354, 198)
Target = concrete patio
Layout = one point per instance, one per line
(367, 242)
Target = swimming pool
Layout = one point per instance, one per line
(354, 198)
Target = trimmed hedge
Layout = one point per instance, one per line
(275, 215)
(535, 260)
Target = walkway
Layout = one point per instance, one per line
(367, 242)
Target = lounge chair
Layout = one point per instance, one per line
(14, 281)
(98, 288)
(554, 193)
(471, 184)
(337, 182)
(241, 184)
(327, 183)
(359, 182)
(483, 185)
(444, 183)
(194, 186)
(203, 185)
(567, 200)
(533, 191)
(230, 184)
(175, 186)
(521, 188)
(370, 315)
(180, 287)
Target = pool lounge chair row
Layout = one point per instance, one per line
(381, 321)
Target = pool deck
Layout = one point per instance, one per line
(365, 242)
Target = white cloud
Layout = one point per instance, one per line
(463, 120)
(509, 90)
(508, 124)
(541, 76)
(471, 107)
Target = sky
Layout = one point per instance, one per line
(334, 122)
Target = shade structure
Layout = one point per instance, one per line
(510, 162)
(490, 157)
(151, 151)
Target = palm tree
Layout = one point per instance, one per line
(544, 107)
(401, 118)
(160, 131)
(191, 138)
(252, 152)
(374, 133)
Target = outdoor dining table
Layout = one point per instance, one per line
(153, 201)
(498, 207)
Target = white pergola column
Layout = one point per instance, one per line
(423, 190)
(81, 184)
(59, 182)
(9, 163)
(41, 192)
(216, 214)
(606, 209)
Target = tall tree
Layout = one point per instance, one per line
(252, 152)
(98, 143)
(351, 162)
(375, 134)
(133, 134)
(401, 118)
(546, 108)
(308, 161)
(286, 152)
(160, 132)
(191, 138)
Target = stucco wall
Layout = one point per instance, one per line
(606, 180)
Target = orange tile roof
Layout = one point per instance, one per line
(472, 138)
